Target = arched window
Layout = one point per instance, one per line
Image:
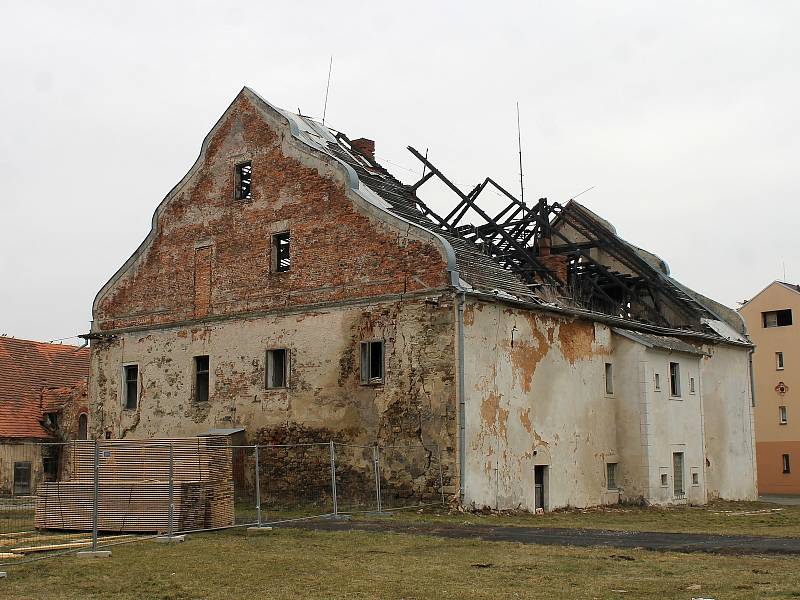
(83, 427)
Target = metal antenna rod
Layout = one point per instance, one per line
(327, 89)
(519, 143)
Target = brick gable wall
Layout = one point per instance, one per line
(211, 255)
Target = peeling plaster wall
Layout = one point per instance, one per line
(540, 400)
(729, 426)
(651, 425)
(325, 399)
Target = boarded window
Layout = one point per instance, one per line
(611, 475)
(201, 365)
(244, 181)
(131, 373)
(202, 280)
(677, 474)
(675, 379)
(609, 379)
(786, 466)
(371, 362)
(777, 318)
(281, 259)
(83, 427)
(22, 478)
(277, 368)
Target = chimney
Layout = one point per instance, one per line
(364, 146)
(555, 263)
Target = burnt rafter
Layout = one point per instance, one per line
(520, 238)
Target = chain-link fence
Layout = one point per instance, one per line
(87, 495)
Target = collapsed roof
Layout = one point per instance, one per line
(37, 377)
(546, 253)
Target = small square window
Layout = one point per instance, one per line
(131, 399)
(277, 368)
(779, 361)
(281, 259)
(664, 480)
(675, 380)
(782, 415)
(611, 476)
(372, 362)
(657, 381)
(244, 181)
(201, 376)
(786, 466)
(609, 379)
(695, 478)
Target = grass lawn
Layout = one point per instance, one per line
(737, 518)
(291, 563)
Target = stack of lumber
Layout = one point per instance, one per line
(134, 486)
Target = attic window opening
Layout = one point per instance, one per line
(281, 261)
(244, 180)
(777, 318)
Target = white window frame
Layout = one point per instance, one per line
(609, 378)
(365, 362)
(675, 383)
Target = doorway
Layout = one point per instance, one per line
(540, 489)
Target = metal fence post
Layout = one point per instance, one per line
(258, 490)
(441, 478)
(376, 457)
(96, 502)
(333, 478)
(170, 508)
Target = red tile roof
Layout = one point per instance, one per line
(26, 369)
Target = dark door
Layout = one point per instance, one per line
(22, 478)
(539, 483)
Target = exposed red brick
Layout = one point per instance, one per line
(337, 252)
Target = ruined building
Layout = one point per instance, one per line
(291, 286)
(43, 401)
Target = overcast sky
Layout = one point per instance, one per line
(684, 116)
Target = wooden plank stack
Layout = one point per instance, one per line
(134, 486)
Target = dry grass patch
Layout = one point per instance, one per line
(356, 565)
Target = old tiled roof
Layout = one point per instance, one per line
(27, 369)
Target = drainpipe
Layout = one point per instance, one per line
(752, 407)
(462, 412)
